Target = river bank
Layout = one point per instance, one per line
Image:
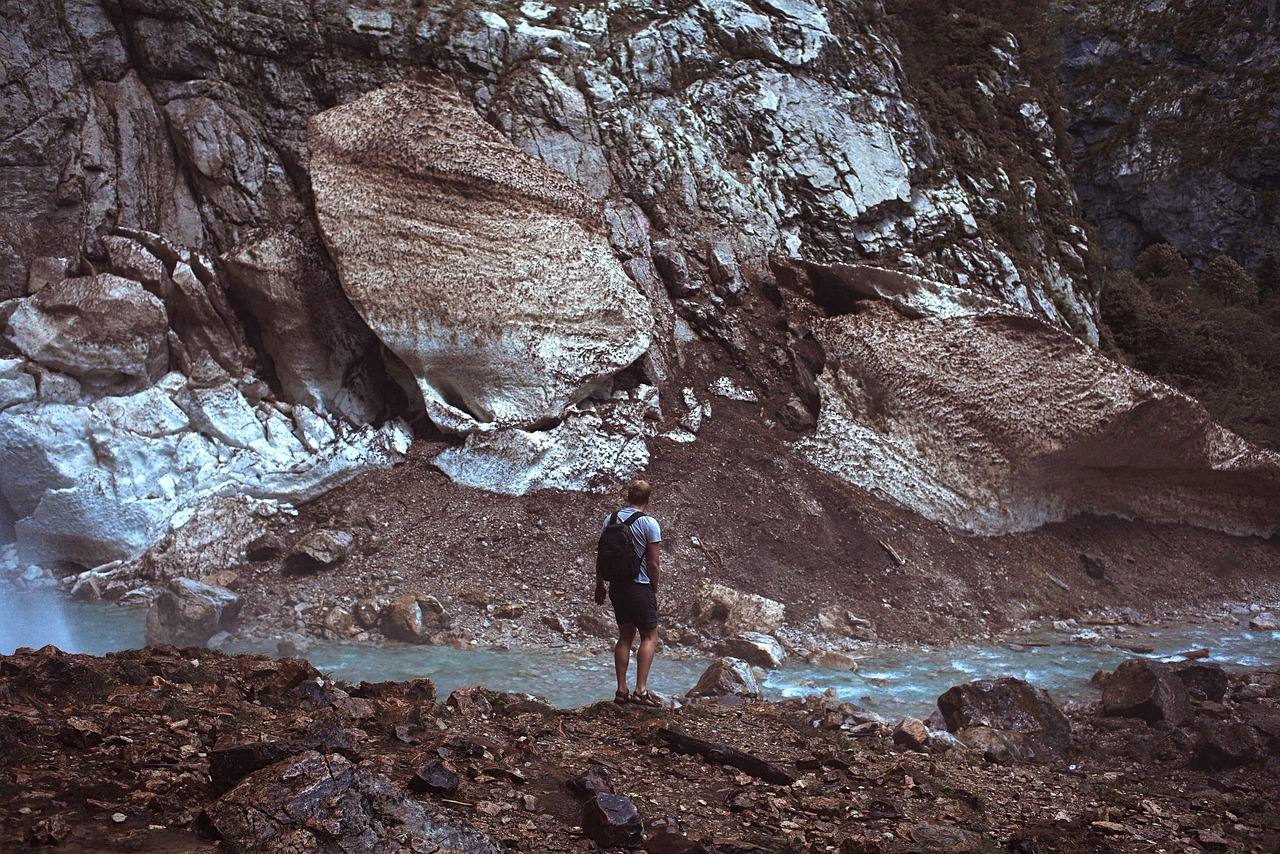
(164, 750)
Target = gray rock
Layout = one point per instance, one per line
(725, 677)
(1148, 690)
(833, 659)
(912, 734)
(187, 613)
(1266, 621)
(314, 800)
(740, 611)
(106, 331)
(320, 549)
(1003, 747)
(754, 648)
(436, 778)
(1221, 745)
(1203, 681)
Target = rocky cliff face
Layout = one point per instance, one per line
(1176, 127)
(539, 226)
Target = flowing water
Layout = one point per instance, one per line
(891, 680)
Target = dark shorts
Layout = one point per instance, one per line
(635, 604)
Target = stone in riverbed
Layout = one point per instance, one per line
(187, 613)
(833, 660)
(726, 677)
(1148, 690)
(414, 618)
(1266, 621)
(1011, 705)
(754, 648)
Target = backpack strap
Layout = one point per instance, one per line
(630, 519)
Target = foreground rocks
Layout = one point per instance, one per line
(163, 746)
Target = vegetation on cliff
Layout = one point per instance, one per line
(1214, 335)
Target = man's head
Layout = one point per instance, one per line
(638, 492)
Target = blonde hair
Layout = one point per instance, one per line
(638, 491)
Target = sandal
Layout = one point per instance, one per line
(646, 698)
(621, 697)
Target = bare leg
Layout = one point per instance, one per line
(622, 653)
(644, 657)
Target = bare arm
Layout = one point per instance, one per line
(652, 559)
(601, 593)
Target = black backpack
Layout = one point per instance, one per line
(616, 551)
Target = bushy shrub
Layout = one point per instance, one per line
(1225, 279)
(1163, 270)
(1268, 277)
(1224, 351)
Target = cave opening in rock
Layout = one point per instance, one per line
(836, 295)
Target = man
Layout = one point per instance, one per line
(635, 603)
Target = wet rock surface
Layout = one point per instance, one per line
(165, 747)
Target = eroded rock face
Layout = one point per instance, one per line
(482, 269)
(136, 402)
(999, 423)
(317, 343)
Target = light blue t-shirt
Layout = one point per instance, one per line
(643, 532)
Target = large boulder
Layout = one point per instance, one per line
(741, 611)
(1148, 690)
(104, 330)
(1058, 431)
(314, 802)
(485, 271)
(188, 612)
(414, 618)
(1221, 745)
(754, 648)
(727, 677)
(1010, 705)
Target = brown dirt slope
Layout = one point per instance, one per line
(765, 522)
